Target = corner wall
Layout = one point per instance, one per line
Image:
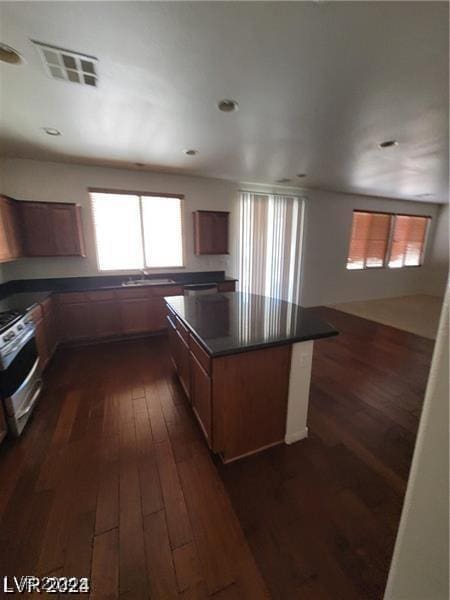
(60, 182)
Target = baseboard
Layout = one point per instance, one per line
(291, 438)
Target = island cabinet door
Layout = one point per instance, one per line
(184, 373)
(173, 343)
(201, 397)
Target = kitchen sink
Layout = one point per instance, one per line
(140, 282)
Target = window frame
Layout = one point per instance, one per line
(181, 197)
(390, 239)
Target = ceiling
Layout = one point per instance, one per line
(319, 85)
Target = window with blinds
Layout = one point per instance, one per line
(408, 241)
(137, 231)
(369, 240)
(384, 239)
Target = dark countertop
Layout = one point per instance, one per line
(22, 295)
(238, 322)
(23, 301)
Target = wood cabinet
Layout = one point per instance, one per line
(201, 397)
(227, 286)
(158, 306)
(51, 326)
(211, 232)
(40, 335)
(75, 320)
(105, 314)
(52, 229)
(10, 235)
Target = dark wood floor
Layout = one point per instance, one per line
(112, 479)
(321, 515)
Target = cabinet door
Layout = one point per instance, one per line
(157, 306)
(75, 321)
(37, 230)
(134, 315)
(173, 343)
(201, 397)
(41, 343)
(10, 230)
(51, 333)
(106, 318)
(182, 353)
(211, 232)
(67, 230)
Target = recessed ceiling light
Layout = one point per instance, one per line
(388, 144)
(300, 175)
(51, 131)
(9, 55)
(283, 180)
(227, 105)
(190, 152)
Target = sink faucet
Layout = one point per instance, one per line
(144, 272)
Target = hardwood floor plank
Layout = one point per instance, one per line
(187, 566)
(105, 566)
(161, 572)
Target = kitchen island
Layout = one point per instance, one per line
(244, 361)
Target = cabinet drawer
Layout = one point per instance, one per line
(227, 286)
(184, 331)
(167, 290)
(71, 297)
(202, 356)
(137, 292)
(101, 295)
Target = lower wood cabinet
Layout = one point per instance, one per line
(106, 318)
(134, 315)
(201, 397)
(75, 321)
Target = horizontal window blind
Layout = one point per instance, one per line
(118, 233)
(369, 240)
(134, 231)
(408, 241)
(162, 227)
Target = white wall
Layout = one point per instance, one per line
(58, 182)
(420, 565)
(325, 278)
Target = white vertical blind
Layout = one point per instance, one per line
(162, 227)
(118, 233)
(269, 253)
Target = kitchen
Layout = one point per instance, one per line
(186, 377)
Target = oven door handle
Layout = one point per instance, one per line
(26, 381)
(30, 404)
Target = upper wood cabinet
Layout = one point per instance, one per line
(52, 229)
(10, 234)
(211, 232)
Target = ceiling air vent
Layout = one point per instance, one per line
(67, 65)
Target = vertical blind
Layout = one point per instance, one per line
(269, 251)
(133, 231)
(380, 239)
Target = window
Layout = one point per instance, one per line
(270, 239)
(136, 231)
(368, 244)
(408, 241)
(383, 239)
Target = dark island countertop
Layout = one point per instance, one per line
(233, 322)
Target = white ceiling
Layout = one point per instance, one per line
(319, 84)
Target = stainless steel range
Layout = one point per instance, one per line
(20, 375)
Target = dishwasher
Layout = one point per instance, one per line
(198, 289)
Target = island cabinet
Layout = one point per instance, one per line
(240, 400)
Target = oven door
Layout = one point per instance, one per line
(21, 384)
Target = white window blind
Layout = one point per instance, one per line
(133, 231)
(270, 232)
